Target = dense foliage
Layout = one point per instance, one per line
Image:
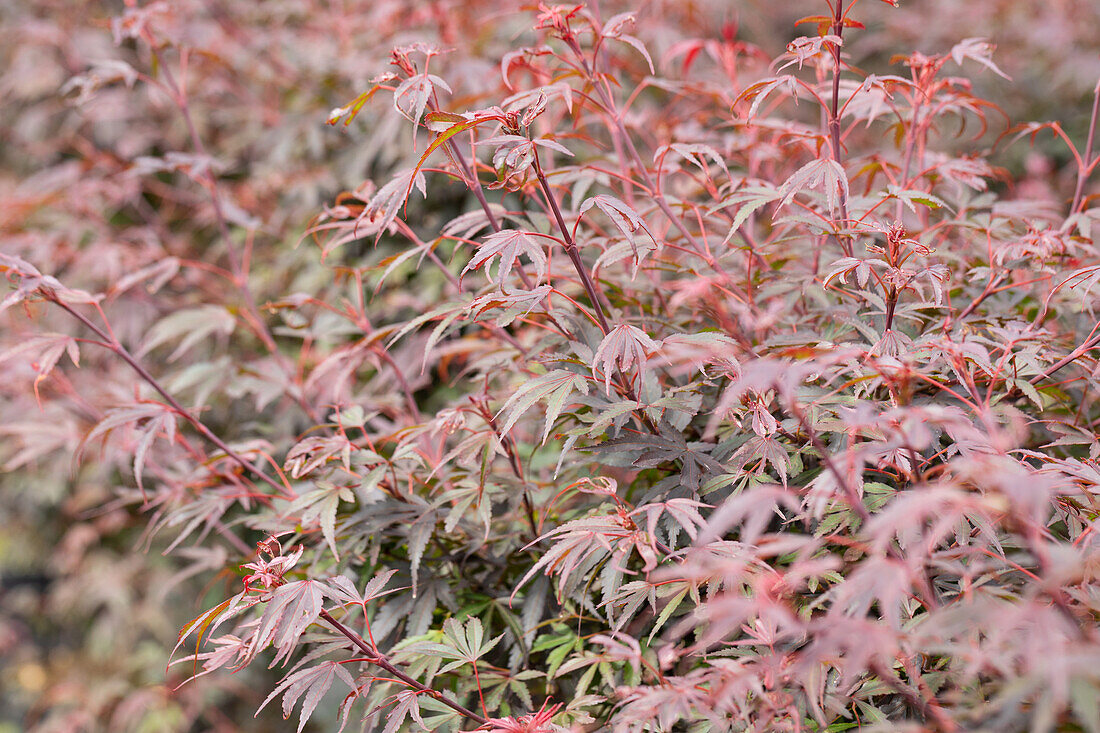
(586, 371)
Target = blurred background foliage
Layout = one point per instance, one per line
(89, 604)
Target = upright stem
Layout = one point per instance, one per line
(834, 117)
(891, 304)
(1083, 171)
(571, 248)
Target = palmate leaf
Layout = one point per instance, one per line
(752, 510)
(320, 506)
(623, 216)
(342, 589)
(194, 325)
(979, 50)
(507, 245)
(408, 706)
(555, 387)
(411, 97)
(695, 153)
(751, 199)
(759, 91)
(650, 451)
(511, 305)
(825, 173)
(290, 610)
(44, 352)
(160, 419)
(310, 684)
(909, 197)
(577, 545)
(206, 623)
(464, 644)
(621, 348)
(684, 511)
(30, 283)
(382, 209)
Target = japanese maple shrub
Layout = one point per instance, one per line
(660, 385)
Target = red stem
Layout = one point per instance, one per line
(110, 342)
(379, 660)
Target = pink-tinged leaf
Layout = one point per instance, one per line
(825, 173)
(684, 511)
(850, 265)
(507, 245)
(537, 722)
(549, 144)
(44, 353)
(752, 199)
(753, 509)
(555, 387)
(313, 452)
(228, 651)
(533, 101)
(623, 216)
(101, 74)
(523, 55)
(805, 48)
(883, 581)
(408, 705)
(970, 172)
(161, 419)
(271, 565)
(616, 28)
(342, 589)
(695, 153)
(759, 91)
(621, 348)
(577, 546)
(345, 706)
(382, 209)
(164, 424)
(512, 305)
(205, 624)
(411, 97)
(979, 50)
(290, 610)
(309, 684)
(763, 450)
(191, 326)
(158, 274)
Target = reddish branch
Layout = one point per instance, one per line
(108, 341)
(378, 659)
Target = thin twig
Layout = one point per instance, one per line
(110, 342)
(1084, 170)
(571, 248)
(379, 660)
(178, 94)
(834, 118)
